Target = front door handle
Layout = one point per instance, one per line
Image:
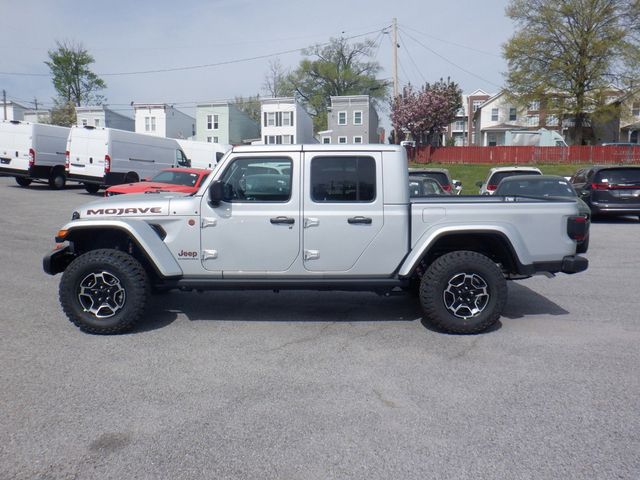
(282, 221)
(360, 220)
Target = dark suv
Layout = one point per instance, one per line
(440, 175)
(609, 190)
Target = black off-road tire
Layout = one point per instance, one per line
(57, 179)
(80, 287)
(23, 181)
(486, 291)
(91, 187)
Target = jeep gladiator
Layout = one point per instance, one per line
(317, 217)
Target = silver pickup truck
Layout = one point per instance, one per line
(317, 217)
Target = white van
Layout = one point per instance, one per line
(203, 154)
(101, 157)
(33, 151)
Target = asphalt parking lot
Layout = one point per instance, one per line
(257, 385)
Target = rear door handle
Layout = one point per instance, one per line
(360, 220)
(282, 221)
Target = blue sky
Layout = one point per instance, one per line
(461, 40)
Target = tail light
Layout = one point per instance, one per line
(107, 164)
(491, 188)
(446, 188)
(67, 161)
(577, 227)
(32, 157)
(600, 186)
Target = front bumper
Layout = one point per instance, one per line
(57, 260)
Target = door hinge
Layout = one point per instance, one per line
(311, 254)
(209, 222)
(209, 254)
(311, 222)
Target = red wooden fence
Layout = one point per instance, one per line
(610, 154)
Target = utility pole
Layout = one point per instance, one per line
(394, 73)
(35, 102)
(4, 103)
(394, 29)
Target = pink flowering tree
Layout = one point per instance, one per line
(426, 113)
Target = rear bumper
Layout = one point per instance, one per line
(632, 208)
(569, 264)
(109, 179)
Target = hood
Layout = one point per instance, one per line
(133, 205)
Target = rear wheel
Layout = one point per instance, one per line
(104, 291)
(23, 181)
(131, 177)
(57, 179)
(91, 187)
(463, 292)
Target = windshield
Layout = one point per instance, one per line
(543, 187)
(176, 178)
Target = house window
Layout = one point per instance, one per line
(209, 122)
(494, 114)
(533, 120)
(342, 120)
(209, 139)
(215, 140)
(287, 139)
(342, 139)
(635, 109)
(326, 140)
(534, 106)
(357, 117)
(149, 124)
(84, 122)
(215, 122)
(512, 114)
(476, 104)
(552, 121)
(459, 125)
(343, 179)
(153, 124)
(357, 139)
(270, 119)
(96, 122)
(287, 119)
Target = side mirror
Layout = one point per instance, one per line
(216, 192)
(478, 184)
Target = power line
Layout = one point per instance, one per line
(453, 43)
(194, 67)
(451, 62)
(415, 65)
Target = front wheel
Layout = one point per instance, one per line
(463, 292)
(104, 291)
(23, 181)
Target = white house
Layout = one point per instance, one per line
(37, 116)
(498, 115)
(284, 121)
(102, 116)
(163, 120)
(12, 110)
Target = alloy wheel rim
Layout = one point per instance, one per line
(466, 295)
(101, 294)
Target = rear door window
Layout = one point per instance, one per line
(343, 179)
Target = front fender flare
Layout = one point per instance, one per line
(142, 234)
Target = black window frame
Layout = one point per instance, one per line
(323, 158)
(278, 159)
